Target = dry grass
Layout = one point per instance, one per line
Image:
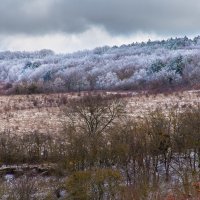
(42, 113)
(142, 104)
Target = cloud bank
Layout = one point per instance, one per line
(116, 16)
(72, 20)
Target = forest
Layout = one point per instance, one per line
(166, 64)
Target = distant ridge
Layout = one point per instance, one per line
(138, 66)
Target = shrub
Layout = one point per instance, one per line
(95, 184)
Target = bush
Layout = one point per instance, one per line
(95, 184)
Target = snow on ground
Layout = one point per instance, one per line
(43, 113)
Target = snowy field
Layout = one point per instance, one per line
(43, 113)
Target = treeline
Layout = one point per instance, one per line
(107, 154)
(139, 66)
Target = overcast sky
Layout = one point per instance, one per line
(71, 25)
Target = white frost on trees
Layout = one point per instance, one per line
(173, 61)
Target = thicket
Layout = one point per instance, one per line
(107, 154)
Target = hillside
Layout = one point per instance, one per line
(138, 66)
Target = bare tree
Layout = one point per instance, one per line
(93, 114)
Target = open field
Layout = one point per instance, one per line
(43, 113)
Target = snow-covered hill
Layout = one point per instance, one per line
(138, 65)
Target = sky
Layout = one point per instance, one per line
(70, 25)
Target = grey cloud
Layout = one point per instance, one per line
(117, 16)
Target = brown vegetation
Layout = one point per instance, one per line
(105, 150)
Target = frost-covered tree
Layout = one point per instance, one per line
(128, 66)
